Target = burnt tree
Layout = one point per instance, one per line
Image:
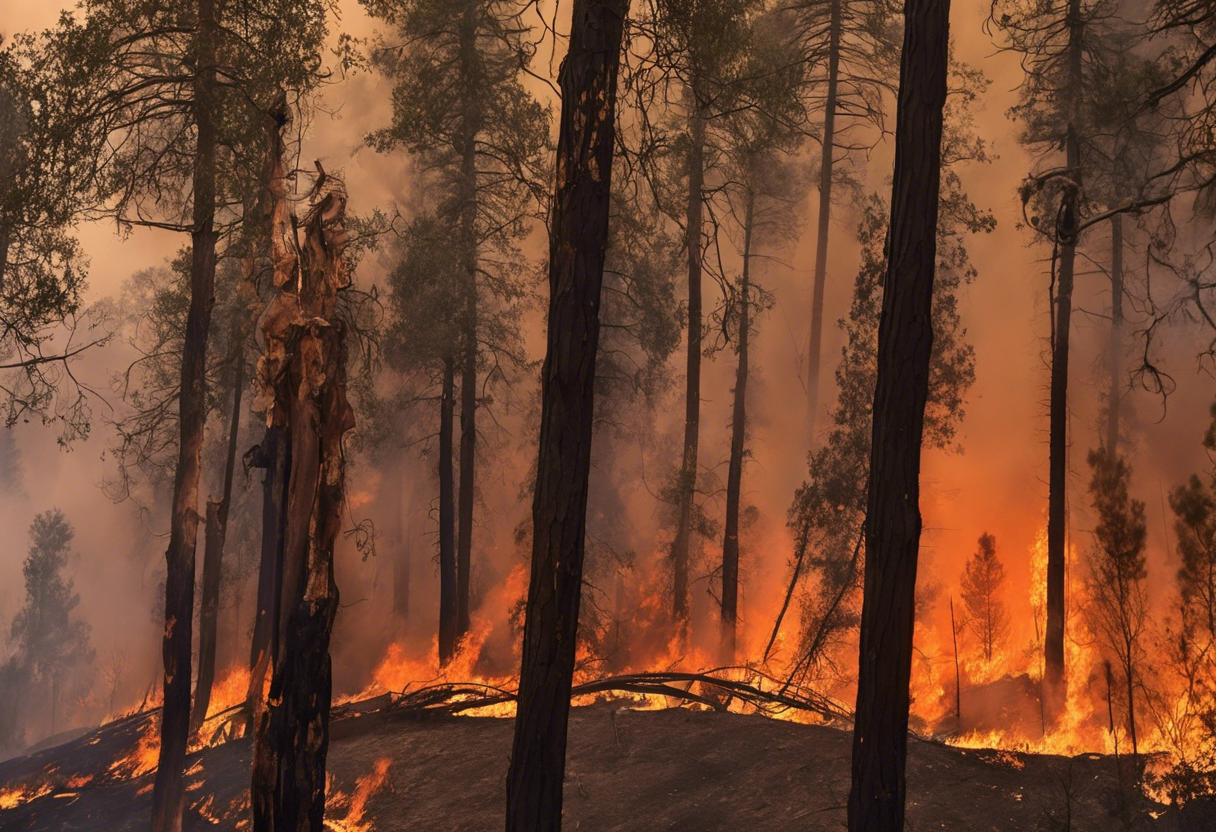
(579, 223)
(905, 343)
(302, 379)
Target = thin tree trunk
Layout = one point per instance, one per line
(213, 551)
(827, 162)
(687, 485)
(1131, 702)
(305, 369)
(168, 792)
(734, 475)
(1115, 348)
(448, 604)
(958, 676)
(1057, 505)
(469, 61)
(905, 342)
(579, 233)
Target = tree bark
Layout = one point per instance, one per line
(213, 551)
(579, 233)
(275, 457)
(1057, 502)
(1114, 355)
(303, 371)
(905, 342)
(734, 475)
(468, 464)
(827, 161)
(687, 484)
(448, 604)
(168, 791)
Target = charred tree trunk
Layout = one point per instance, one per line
(168, 792)
(1057, 500)
(274, 455)
(468, 463)
(687, 484)
(827, 161)
(905, 343)
(1114, 364)
(213, 552)
(734, 475)
(579, 223)
(303, 373)
(469, 62)
(448, 606)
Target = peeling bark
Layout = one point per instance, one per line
(577, 238)
(302, 380)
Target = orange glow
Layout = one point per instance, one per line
(356, 805)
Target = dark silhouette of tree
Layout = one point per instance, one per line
(905, 346)
(578, 236)
(460, 108)
(982, 579)
(1117, 572)
(1194, 506)
(50, 642)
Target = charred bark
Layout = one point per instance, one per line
(827, 161)
(905, 343)
(579, 232)
(734, 475)
(1057, 499)
(213, 552)
(168, 791)
(448, 603)
(274, 455)
(302, 378)
(686, 486)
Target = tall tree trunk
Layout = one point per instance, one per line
(687, 485)
(304, 368)
(1114, 354)
(579, 233)
(827, 161)
(448, 604)
(734, 475)
(168, 792)
(905, 343)
(1057, 500)
(469, 68)
(213, 550)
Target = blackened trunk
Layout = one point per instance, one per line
(734, 475)
(827, 160)
(468, 464)
(687, 484)
(448, 605)
(905, 343)
(579, 232)
(1114, 356)
(213, 553)
(1054, 693)
(275, 456)
(168, 791)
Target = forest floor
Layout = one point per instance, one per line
(676, 769)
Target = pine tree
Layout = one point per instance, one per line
(987, 617)
(51, 643)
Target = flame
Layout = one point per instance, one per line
(356, 804)
(143, 758)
